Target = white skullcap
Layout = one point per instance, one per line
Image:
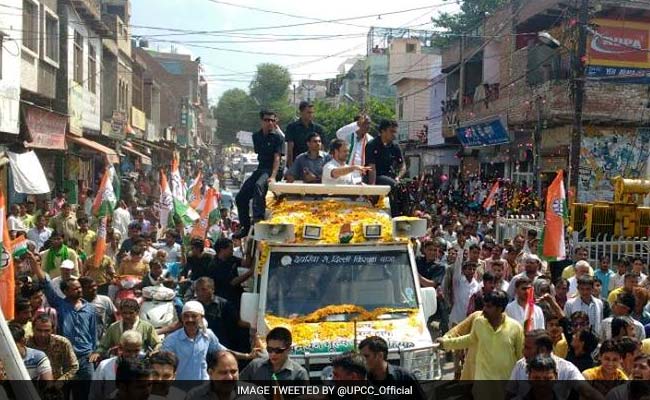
(194, 306)
(67, 264)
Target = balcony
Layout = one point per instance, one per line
(91, 12)
(119, 32)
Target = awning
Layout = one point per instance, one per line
(100, 148)
(146, 160)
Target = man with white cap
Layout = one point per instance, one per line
(532, 267)
(67, 270)
(192, 344)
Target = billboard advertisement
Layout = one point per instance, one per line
(619, 43)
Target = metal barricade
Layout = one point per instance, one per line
(508, 228)
(615, 247)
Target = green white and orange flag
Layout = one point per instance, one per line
(166, 200)
(194, 194)
(7, 274)
(556, 216)
(491, 199)
(209, 215)
(106, 199)
(178, 186)
(100, 246)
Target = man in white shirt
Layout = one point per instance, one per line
(464, 285)
(122, 219)
(517, 308)
(539, 343)
(40, 233)
(532, 266)
(103, 384)
(14, 222)
(622, 308)
(336, 171)
(582, 268)
(586, 301)
(357, 136)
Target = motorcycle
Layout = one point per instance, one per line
(158, 306)
(127, 287)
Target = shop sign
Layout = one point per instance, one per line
(138, 119)
(619, 43)
(46, 128)
(76, 109)
(488, 133)
(118, 121)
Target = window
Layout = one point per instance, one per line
(78, 58)
(410, 47)
(51, 37)
(30, 25)
(92, 69)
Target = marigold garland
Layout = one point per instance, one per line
(310, 328)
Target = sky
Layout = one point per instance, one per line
(312, 50)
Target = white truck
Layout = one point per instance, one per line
(334, 270)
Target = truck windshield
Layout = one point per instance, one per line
(303, 282)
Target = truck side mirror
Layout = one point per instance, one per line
(249, 306)
(429, 301)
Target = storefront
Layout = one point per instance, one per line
(84, 165)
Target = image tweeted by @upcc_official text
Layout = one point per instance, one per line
(324, 390)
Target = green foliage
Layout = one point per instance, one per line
(332, 118)
(470, 16)
(236, 111)
(270, 85)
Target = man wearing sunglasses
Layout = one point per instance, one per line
(268, 146)
(278, 366)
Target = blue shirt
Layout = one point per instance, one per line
(192, 353)
(79, 326)
(604, 279)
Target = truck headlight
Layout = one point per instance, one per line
(422, 363)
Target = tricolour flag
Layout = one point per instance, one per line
(556, 215)
(194, 194)
(19, 246)
(7, 280)
(529, 310)
(166, 200)
(100, 246)
(187, 213)
(209, 215)
(491, 199)
(178, 186)
(106, 199)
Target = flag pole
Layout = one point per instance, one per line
(14, 365)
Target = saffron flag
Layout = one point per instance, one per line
(556, 215)
(100, 246)
(491, 199)
(209, 215)
(194, 194)
(166, 200)
(106, 199)
(7, 274)
(530, 310)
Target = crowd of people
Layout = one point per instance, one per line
(502, 310)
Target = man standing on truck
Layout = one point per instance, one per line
(385, 158)
(268, 146)
(357, 136)
(298, 131)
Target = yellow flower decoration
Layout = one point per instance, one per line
(331, 215)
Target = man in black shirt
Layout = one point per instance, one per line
(228, 282)
(268, 146)
(298, 131)
(220, 314)
(384, 158)
(198, 262)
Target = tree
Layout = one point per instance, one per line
(270, 84)
(472, 13)
(236, 111)
(270, 90)
(332, 118)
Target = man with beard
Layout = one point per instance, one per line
(130, 347)
(224, 380)
(336, 171)
(57, 348)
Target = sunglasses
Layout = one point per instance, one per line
(276, 350)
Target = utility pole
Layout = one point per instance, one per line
(579, 97)
(537, 148)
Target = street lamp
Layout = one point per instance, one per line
(549, 40)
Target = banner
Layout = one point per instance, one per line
(7, 279)
(46, 128)
(619, 43)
